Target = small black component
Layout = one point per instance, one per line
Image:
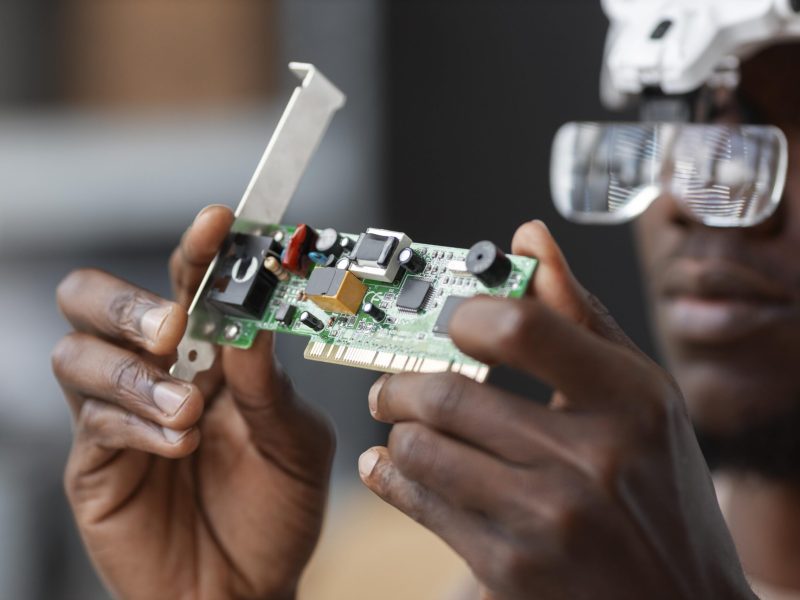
(489, 264)
(411, 261)
(240, 285)
(373, 311)
(661, 29)
(330, 261)
(372, 249)
(414, 293)
(309, 320)
(285, 314)
(346, 243)
(442, 324)
(328, 243)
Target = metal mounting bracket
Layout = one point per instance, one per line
(296, 138)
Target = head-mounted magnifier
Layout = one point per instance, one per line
(676, 58)
(722, 176)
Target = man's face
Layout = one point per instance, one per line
(726, 302)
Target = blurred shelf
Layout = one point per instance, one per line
(74, 181)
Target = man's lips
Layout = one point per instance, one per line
(707, 301)
(721, 280)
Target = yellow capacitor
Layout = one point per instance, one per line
(335, 290)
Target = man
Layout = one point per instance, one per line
(217, 489)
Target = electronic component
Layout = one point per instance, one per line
(273, 265)
(335, 290)
(285, 314)
(231, 331)
(375, 255)
(442, 325)
(295, 258)
(312, 322)
(346, 243)
(240, 285)
(374, 250)
(411, 261)
(414, 294)
(457, 267)
(328, 243)
(374, 311)
(489, 264)
(343, 263)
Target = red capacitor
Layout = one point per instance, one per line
(295, 257)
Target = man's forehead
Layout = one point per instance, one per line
(771, 85)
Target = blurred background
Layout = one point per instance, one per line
(120, 120)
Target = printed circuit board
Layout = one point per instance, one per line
(393, 326)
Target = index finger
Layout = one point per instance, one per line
(198, 247)
(484, 416)
(98, 303)
(557, 287)
(529, 336)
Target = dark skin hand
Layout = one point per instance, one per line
(214, 490)
(602, 493)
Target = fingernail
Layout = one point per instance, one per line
(367, 462)
(543, 224)
(153, 320)
(169, 397)
(173, 436)
(374, 391)
(207, 210)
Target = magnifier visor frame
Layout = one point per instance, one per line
(720, 175)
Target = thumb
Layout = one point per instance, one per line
(556, 286)
(283, 427)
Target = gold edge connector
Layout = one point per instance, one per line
(390, 362)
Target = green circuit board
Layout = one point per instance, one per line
(405, 340)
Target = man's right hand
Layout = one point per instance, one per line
(212, 490)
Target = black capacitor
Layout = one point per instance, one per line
(374, 312)
(346, 243)
(411, 261)
(330, 261)
(309, 320)
(489, 264)
(328, 242)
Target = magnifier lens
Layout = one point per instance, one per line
(728, 176)
(605, 174)
(724, 176)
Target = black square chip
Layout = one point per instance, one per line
(285, 314)
(442, 324)
(414, 293)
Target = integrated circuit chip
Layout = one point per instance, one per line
(414, 293)
(285, 314)
(442, 324)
